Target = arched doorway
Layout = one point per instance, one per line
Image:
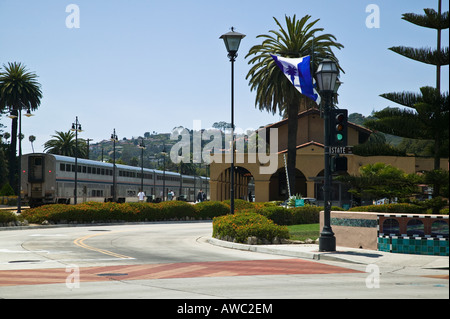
(278, 188)
(244, 184)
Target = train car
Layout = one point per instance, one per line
(50, 179)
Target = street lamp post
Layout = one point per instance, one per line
(13, 115)
(327, 74)
(164, 153)
(232, 41)
(114, 139)
(76, 127)
(142, 147)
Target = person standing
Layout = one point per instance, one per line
(200, 196)
(141, 195)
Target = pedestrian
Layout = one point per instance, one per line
(141, 195)
(200, 196)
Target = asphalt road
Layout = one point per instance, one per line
(174, 261)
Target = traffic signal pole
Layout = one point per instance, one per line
(327, 241)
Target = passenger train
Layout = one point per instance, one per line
(50, 179)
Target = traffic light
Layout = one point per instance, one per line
(338, 127)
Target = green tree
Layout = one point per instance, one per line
(274, 92)
(65, 144)
(427, 113)
(19, 90)
(380, 180)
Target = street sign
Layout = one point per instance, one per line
(341, 150)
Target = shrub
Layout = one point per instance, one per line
(211, 209)
(305, 215)
(7, 217)
(390, 208)
(148, 211)
(177, 210)
(240, 204)
(240, 226)
(279, 215)
(7, 190)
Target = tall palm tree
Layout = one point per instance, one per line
(64, 144)
(19, 90)
(274, 92)
(32, 138)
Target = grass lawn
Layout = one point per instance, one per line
(302, 232)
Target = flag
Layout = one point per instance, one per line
(298, 71)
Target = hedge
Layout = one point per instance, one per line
(391, 208)
(242, 225)
(7, 217)
(170, 210)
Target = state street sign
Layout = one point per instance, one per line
(341, 150)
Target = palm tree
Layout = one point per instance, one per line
(19, 90)
(274, 92)
(32, 138)
(64, 144)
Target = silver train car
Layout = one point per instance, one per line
(50, 179)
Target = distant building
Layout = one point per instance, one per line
(310, 165)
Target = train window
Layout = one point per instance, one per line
(62, 167)
(68, 169)
(89, 170)
(98, 170)
(103, 171)
(84, 169)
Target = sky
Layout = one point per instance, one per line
(140, 66)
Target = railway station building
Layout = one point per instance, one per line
(309, 165)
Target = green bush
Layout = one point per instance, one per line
(240, 204)
(279, 215)
(211, 209)
(177, 210)
(240, 226)
(7, 190)
(305, 215)
(391, 208)
(7, 217)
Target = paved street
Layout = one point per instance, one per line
(180, 261)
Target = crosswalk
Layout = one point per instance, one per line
(169, 270)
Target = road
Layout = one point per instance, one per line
(174, 261)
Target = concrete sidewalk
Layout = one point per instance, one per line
(343, 254)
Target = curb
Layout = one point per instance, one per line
(276, 250)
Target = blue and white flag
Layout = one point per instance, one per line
(298, 71)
